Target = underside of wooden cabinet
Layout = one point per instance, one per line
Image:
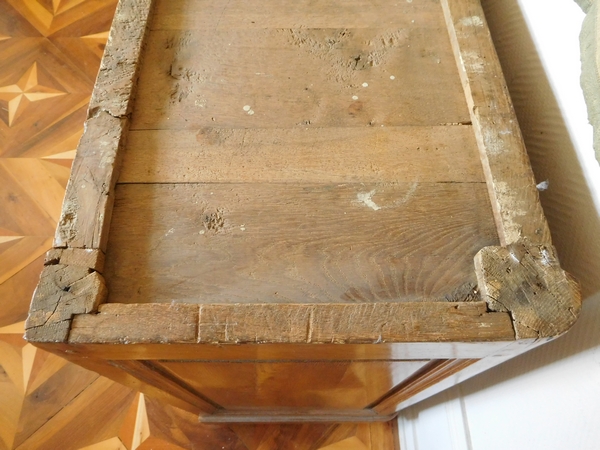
(299, 211)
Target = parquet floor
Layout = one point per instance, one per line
(49, 55)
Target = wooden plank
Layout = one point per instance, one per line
(310, 155)
(286, 78)
(351, 324)
(296, 243)
(324, 385)
(157, 323)
(87, 206)
(291, 324)
(186, 14)
(511, 183)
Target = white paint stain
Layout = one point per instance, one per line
(473, 21)
(355, 97)
(251, 112)
(512, 206)
(247, 108)
(242, 227)
(494, 143)
(201, 232)
(366, 198)
(409, 194)
(171, 231)
(392, 77)
(473, 62)
(543, 186)
(365, 85)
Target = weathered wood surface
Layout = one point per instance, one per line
(310, 155)
(286, 78)
(259, 14)
(296, 243)
(87, 206)
(509, 177)
(527, 280)
(69, 284)
(291, 324)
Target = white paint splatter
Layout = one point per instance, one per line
(366, 198)
(472, 62)
(242, 227)
(247, 108)
(365, 85)
(355, 97)
(392, 77)
(171, 231)
(201, 232)
(473, 21)
(251, 112)
(543, 186)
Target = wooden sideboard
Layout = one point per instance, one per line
(299, 211)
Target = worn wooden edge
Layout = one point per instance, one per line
(526, 280)
(87, 206)
(510, 180)
(70, 283)
(358, 323)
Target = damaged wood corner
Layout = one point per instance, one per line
(71, 283)
(527, 281)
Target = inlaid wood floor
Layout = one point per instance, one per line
(49, 55)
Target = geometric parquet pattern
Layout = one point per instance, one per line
(50, 51)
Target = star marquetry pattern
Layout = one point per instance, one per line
(27, 90)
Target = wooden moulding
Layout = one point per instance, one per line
(71, 282)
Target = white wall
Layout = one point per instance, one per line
(548, 398)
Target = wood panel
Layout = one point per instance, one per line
(287, 243)
(299, 77)
(310, 155)
(293, 386)
(187, 14)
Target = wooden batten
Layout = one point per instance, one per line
(511, 185)
(71, 282)
(372, 323)
(87, 207)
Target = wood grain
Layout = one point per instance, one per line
(527, 280)
(291, 324)
(299, 77)
(292, 386)
(187, 14)
(313, 155)
(87, 207)
(510, 180)
(296, 243)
